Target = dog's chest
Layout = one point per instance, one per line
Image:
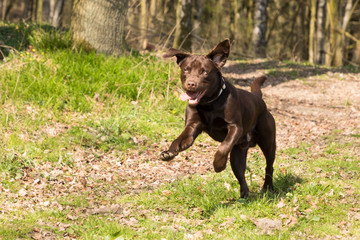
(215, 124)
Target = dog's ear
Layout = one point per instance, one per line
(220, 53)
(180, 55)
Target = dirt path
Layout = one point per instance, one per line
(306, 102)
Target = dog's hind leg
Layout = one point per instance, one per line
(266, 134)
(238, 165)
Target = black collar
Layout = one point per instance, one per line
(223, 87)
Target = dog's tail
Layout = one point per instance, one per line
(256, 86)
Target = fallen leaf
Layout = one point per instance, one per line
(166, 192)
(229, 221)
(309, 210)
(281, 204)
(130, 222)
(83, 182)
(36, 235)
(267, 225)
(291, 221)
(115, 209)
(208, 231)
(350, 192)
(227, 186)
(22, 192)
(330, 193)
(243, 217)
(71, 217)
(199, 235)
(355, 216)
(37, 181)
(188, 236)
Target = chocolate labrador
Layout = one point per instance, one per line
(236, 118)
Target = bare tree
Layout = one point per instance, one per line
(259, 32)
(320, 32)
(197, 24)
(99, 25)
(339, 13)
(334, 46)
(3, 9)
(56, 7)
(356, 52)
(312, 32)
(183, 25)
(143, 20)
(235, 17)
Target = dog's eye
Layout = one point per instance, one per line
(186, 69)
(203, 71)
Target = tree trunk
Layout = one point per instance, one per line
(347, 14)
(197, 25)
(56, 7)
(39, 11)
(235, 16)
(143, 21)
(312, 32)
(183, 25)
(219, 11)
(153, 12)
(335, 47)
(356, 52)
(344, 25)
(320, 33)
(3, 9)
(259, 32)
(99, 25)
(302, 51)
(7, 6)
(28, 9)
(66, 14)
(355, 27)
(176, 42)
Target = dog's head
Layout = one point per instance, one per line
(200, 74)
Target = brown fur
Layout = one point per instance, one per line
(236, 118)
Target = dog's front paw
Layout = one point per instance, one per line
(167, 155)
(219, 162)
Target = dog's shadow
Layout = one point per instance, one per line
(284, 184)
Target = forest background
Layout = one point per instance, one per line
(324, 32)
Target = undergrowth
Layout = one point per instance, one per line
(55, 98)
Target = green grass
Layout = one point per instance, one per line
(65, 113)
(56, 100)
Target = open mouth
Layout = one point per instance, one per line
(193, 98)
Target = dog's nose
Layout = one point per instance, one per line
(191, 85)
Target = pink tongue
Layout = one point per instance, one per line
(186, 96)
